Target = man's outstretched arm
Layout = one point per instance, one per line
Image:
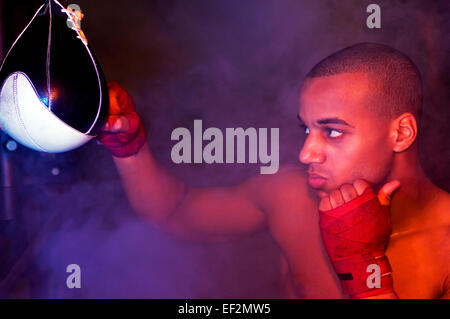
(212, 214)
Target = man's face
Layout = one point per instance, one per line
(346, 140)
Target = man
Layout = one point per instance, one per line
(359, 108)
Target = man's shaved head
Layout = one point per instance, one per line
(394, 79)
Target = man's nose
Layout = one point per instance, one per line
(311, 152)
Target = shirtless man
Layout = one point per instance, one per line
(360, 108)
(361, 120)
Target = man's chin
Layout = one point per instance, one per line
(319, 190)
(324, 190)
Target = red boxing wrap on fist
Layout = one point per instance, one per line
(355, 236)
(129, 142)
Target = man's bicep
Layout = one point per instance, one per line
(216, 214)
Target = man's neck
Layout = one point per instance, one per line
(408, 206)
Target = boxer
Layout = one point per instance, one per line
(360, 108)
(360, 116)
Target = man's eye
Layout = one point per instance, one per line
(334, 133)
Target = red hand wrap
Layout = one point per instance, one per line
(126, 143)
(355, 236)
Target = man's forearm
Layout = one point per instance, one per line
(151, 190)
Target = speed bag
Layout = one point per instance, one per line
(53, 96)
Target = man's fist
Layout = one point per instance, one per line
(355, 226)
(123, 133)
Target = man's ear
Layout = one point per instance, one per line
(404, 132)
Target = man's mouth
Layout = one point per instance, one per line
(315, 180)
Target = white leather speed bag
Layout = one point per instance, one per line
(53, 94)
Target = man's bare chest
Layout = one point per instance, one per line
(418, 265)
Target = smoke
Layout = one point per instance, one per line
(231, 63)
(111, 253)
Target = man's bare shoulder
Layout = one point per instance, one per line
(433, 226)
(288, 184)
(287, 177)
(291, 174)
(443, 241)
(439, 208)
(427, 245)
(438, 235)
